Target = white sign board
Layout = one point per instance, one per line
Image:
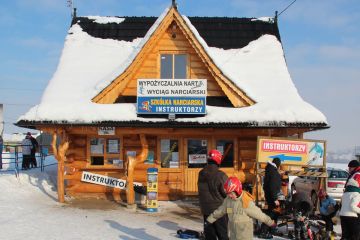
(105, 180)
(197, 158)
(171, 87)
(106, 131)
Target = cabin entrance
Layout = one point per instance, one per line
(196, 150)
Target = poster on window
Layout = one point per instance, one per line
(97, 146)
(197, 158)
(113, 145)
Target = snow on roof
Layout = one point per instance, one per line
(105, 20)
(89, 64)
(264, 19)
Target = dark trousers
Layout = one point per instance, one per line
(273, 215)
(33, 162)
(217, 230)
(350, 227)
(26, 162)
(329, 223)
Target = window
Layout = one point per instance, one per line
(197, 153)
(105, 151)
(173, 66)
(169, 153)
(226, 147)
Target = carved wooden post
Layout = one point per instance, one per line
(60, 156)
(132, 161)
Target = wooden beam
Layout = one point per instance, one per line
(132, 161)
(60, 156)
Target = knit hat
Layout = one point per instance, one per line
(277, 162)
(354, 163)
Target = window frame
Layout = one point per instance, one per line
(164, 169)
(107, 156)
(234, 142)
(208, 147)
(173, 53)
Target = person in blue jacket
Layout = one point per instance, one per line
(328, 209)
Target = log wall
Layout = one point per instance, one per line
(174, 183)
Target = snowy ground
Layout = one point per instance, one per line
(29, 210)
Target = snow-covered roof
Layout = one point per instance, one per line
(88, 64)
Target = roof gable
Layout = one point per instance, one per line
(172, 19)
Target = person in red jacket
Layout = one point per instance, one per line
(211, 195)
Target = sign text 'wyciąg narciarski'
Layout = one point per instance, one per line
(171, 96)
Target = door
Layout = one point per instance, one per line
(196, 150)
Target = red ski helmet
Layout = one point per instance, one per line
(216, 156)
(233, 184)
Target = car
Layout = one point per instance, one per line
(336, 182)
(310, 185)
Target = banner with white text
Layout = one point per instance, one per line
(291, 151)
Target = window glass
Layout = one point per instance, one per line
(113, 146)
(97, 146)
(226, 147)
(343, 174)
(173, 66)
(169, 153)
(166, 71)
(180, 66)
(97, 160)
(197, 153)
(105, 151)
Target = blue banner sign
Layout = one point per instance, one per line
(171, 105)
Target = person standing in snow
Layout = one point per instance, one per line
(350, 204)
(1, 149)
(240, 207)
(272, 190)
(35, 144)
(26, 146)
(211, 195)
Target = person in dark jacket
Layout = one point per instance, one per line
(35, 144)
(301, 206)
(272, 190)
(211, 195)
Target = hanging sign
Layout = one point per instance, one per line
(106, 131)
(290, 151)
(104, 180)
(171, 96)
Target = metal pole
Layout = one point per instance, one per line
(16, 157)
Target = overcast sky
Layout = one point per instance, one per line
(320, 39)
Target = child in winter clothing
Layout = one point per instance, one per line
(240, 208)
(328, 209)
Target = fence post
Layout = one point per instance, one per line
(42, 158)
(16, 157)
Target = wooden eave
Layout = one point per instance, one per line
(109, 94)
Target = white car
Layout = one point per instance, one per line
(335, 184)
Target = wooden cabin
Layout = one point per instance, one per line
(92, 101)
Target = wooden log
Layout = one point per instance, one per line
(130, 195)
(60, 156)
